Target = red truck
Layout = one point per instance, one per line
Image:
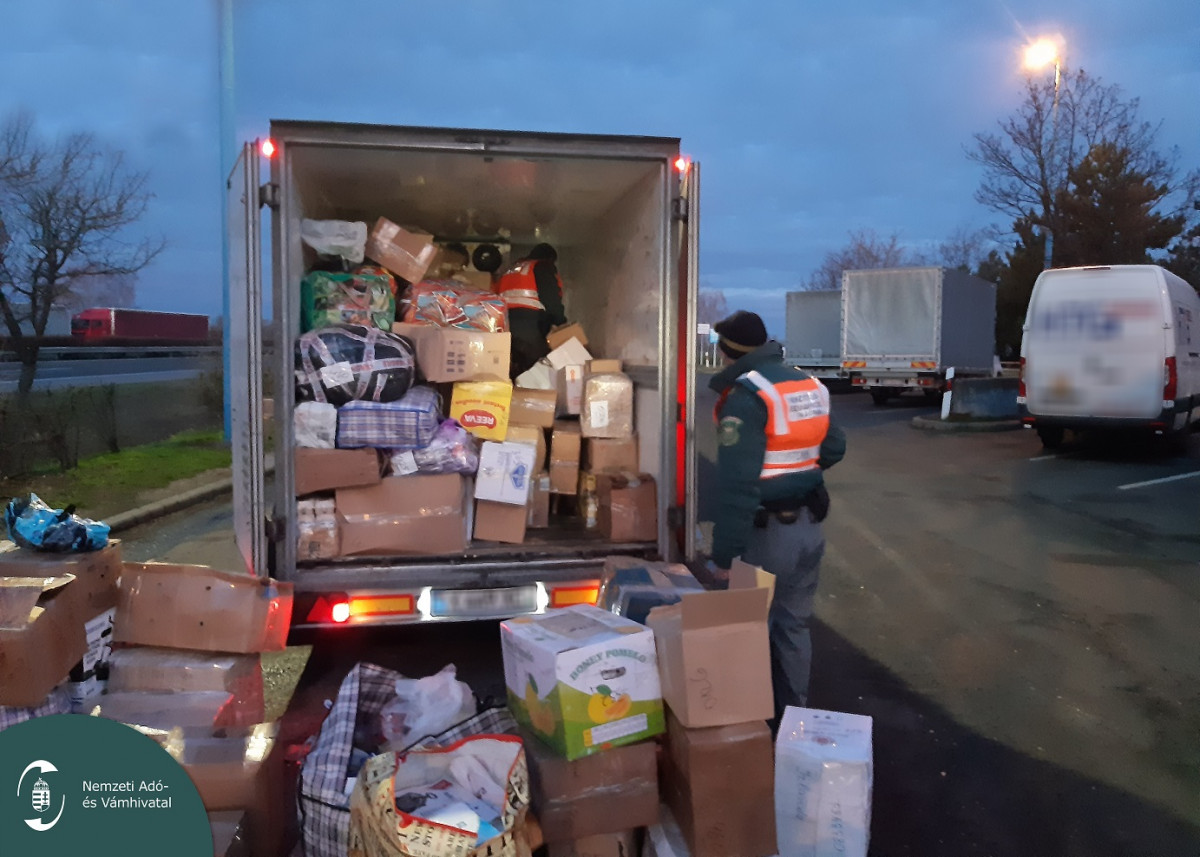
(108, 323)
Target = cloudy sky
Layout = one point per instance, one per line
(810, 120)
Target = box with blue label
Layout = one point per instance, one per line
(633, 587)
(505, 472)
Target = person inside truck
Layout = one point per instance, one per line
(532, 292)
(775, 439)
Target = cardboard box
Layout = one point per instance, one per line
(169, 670)
(583, 679)
(611, 455)
(627, 507)
(569, 390)
(196, 607)
(500, 522)
(480, 281)
(505, 471)
(229, 773)
(203, 713)
(416, 514)
(538, 516)
(603, 367)
(565, 334)
(89, 677)
(570, 353)
(607, 409)
(633, 587)
(326, 469)
(533, 436)
(533, 407)
(823, 772)
(565, 447)
(482, 407)
(406, 254)
(37, 654)
(622, 844)
(448, 354)
(700, 765)
(591, 796)
(97, 573)
(714, 656)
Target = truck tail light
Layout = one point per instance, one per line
(339, 611)
(267, 147)
(566, 596)
(683, 164)
(1170, 382)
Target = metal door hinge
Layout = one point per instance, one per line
(268, 195)
(679, 209)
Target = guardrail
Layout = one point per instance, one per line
(105, 352)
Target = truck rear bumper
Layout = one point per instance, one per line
(1171, 418)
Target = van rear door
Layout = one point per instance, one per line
(1095, 344)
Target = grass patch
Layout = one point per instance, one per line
(109, 483)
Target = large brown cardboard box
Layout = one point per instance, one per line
(196, 607)
(533, 407)
(565, 448)
(327, 469)
(607, 407)
(714, 658)
(623, 844)
(627, 507)
(406, 254)
(150, 669)
(571, 331)
(606, 792)
(530, 435)
(38, 652)
(720, 785)
(97, 573)
(448, 354)
(416, 514)
(616, 455)
(500, 522)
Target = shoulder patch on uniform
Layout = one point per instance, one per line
(729, 431)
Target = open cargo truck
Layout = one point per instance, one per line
(814, 333)
(903, 328)
(622, 213)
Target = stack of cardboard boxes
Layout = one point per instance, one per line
(584, 685)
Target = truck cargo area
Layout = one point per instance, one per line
(603, 204)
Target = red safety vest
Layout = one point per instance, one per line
(797, 422)
(519, 288)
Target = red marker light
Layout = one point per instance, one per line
(682, 164)
(268, 148)
(340, 612)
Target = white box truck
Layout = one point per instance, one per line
(814, 332)
(903, 328)
(1109, 348)
(622, 213)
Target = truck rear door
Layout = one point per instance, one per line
(243, 356)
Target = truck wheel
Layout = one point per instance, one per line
(1051, 436)
(880, 396)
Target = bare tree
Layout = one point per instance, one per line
(711, 306)
(1028, 162)
(964, 250)
(867, 249)
(114, 291)
(67, 208)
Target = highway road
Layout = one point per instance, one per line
(55, 374)
(1020, 625)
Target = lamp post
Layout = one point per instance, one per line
(1037, 56)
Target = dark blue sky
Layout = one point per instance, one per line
(810, 120)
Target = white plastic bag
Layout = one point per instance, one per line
(315, 425)
(336, 238)
(425, 706)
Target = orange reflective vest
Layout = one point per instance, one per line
(797, 422)
(519, 288)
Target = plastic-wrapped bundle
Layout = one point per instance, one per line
(367, 296)
(448, 303)
(315, 425)
(32, 524)
(346, 362)
(607, 406)
(453, 450)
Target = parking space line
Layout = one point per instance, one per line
(1174, 478)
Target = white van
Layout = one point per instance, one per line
(1110, 347)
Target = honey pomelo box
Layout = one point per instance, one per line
(582, 679)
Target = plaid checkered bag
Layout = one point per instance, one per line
(408, 423)
(58, 702)
(325, 778)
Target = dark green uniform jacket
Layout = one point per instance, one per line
(741, 446)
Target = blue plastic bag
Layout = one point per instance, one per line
(34, 525)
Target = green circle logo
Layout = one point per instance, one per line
(72, 785)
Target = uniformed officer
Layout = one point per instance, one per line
(775, 439)
(532, 292)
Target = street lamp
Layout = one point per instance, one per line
(1038, 56)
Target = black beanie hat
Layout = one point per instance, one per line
(740, 334)
(543, 252)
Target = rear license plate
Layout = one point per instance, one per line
(461, 603)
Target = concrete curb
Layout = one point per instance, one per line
(131, 518)
(938, 424)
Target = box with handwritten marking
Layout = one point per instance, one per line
(714, 660)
